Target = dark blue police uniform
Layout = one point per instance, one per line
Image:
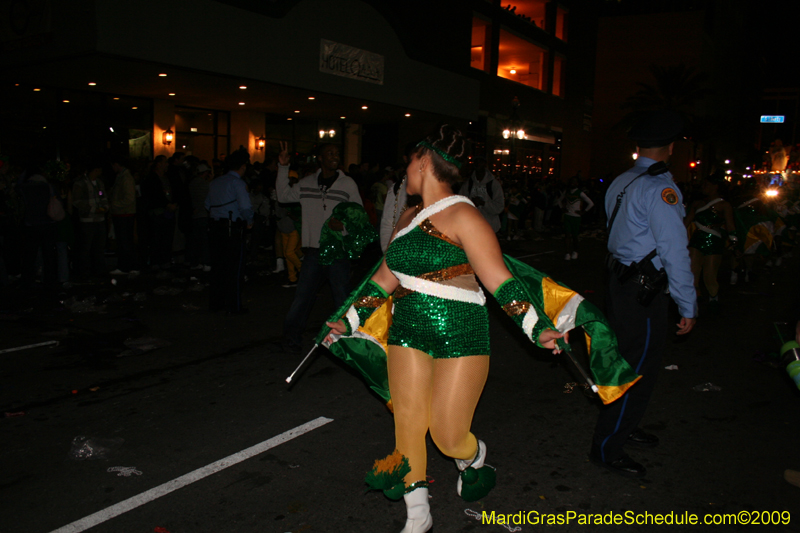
(648, 223)
(230, 212)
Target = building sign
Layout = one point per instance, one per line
(342, 60)
(772, 119)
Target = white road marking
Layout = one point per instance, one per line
(534, 255)
(18, 348)
(140, 499)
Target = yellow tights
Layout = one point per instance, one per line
(439, 395)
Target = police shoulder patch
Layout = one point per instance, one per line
(669, 196)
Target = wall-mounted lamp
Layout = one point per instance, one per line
(329, 133)
(167, 137)
(261, 143)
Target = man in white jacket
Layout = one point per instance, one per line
(318, 194)
(485, 192)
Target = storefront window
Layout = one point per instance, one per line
(522, 61)
(202, 133)
(481, 44)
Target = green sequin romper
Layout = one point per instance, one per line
(706, 242)
(439, 307)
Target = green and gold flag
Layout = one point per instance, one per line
(560, 307)
(564, 309)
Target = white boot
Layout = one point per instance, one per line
(280, 266)
(419, 511)
(476, 462)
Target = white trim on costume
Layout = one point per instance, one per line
(709, 205)
(432, 209)
(447, 292)
(529, 322)
(352, 318)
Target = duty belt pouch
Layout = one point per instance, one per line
(652, 281)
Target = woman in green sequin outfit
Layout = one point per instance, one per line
(438, 358)
(711, 216)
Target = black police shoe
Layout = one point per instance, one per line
(642, 439)
(624, 466)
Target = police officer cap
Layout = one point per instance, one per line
(656, 128)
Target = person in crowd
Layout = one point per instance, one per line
(379, 190)
(199, 255)
(161, 210)
(289, 217)
(647, 245)
(571, 201)
(517, 206)
(261, 212)
(38, 229)
(485, 192)
(397, 200)
(123, 215)
(539, 206)
(438, 357)
(710, 216)
(318, 194)
(90, 199)
(228, 204)
(6, 221)
(65, 232)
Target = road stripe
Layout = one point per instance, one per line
(140, 499)
(534, 255)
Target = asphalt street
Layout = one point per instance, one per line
(194, 429)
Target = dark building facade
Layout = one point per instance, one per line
(85, 76)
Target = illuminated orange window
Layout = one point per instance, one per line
(522, 61)
(559, 75)
(481, 42)
(561, 23)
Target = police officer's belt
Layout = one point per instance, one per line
(226, 203)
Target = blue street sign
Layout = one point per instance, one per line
(772, 119)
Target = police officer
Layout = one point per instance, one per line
(648, 252)
(230, 212)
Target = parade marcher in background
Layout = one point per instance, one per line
(123, 215)
(571, 201)
(778, 157)
(711, 217)
(647, 245)
(90, 199)
(754, 232)
(230, 212)
(318, 194)
(485, 192)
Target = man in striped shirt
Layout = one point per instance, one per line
(318, 194)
